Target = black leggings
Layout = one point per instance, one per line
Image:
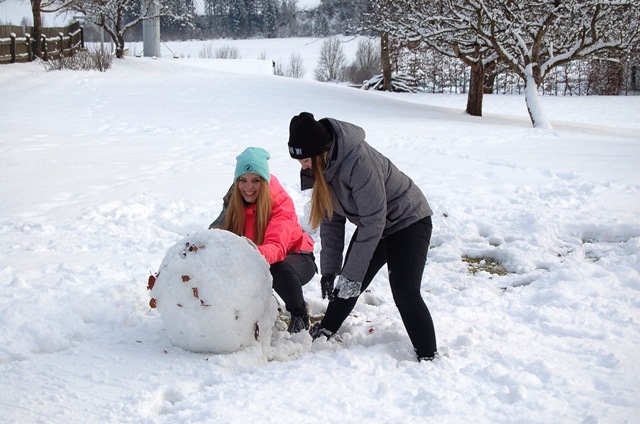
(289, 275)
(405, 254)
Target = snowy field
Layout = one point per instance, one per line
(101, 173)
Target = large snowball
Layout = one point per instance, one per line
(213, 292)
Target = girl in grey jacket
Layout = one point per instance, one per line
(351, 180)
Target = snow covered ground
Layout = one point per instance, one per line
(101, 173)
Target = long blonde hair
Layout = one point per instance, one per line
(234, 218)
(321, 200)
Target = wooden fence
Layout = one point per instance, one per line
(17, 44)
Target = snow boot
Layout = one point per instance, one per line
(317, 330)
(427, 358)
(298, 323)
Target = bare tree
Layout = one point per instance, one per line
(296, 66)
(331, 62)
(366, 63)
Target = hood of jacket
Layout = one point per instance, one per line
(350, 137)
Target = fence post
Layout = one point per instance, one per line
(27, 36)
(61, 36)
(12, 47)
(45, 55)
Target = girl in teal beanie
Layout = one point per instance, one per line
(258, 208)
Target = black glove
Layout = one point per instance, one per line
(326, 283)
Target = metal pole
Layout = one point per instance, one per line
(151, 30)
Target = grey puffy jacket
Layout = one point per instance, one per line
(370, 192)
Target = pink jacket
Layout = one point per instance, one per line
(284, 234)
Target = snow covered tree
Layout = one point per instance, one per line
(535, 37)
(444, 26)
(117, 17)
(239, 19)
(531, 37)
(269, 14)
(341, 16)
(173, 27)
(215, 11)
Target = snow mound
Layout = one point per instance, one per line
(213, 292)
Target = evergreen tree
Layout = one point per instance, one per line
(269, 18)
(239, 19)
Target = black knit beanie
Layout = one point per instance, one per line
(308, 137)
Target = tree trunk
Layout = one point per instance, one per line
(538, 117)
(386, 62)
(476, 91)
(489, 83)
(489, 77)
(120, 46)
(37, 28)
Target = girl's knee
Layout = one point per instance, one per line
(410, 298)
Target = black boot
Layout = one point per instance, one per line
(317, 330)
(298, 323)
(430, 357)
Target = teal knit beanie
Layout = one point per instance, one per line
(253, 161)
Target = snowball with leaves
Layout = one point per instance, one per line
(213, 292)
